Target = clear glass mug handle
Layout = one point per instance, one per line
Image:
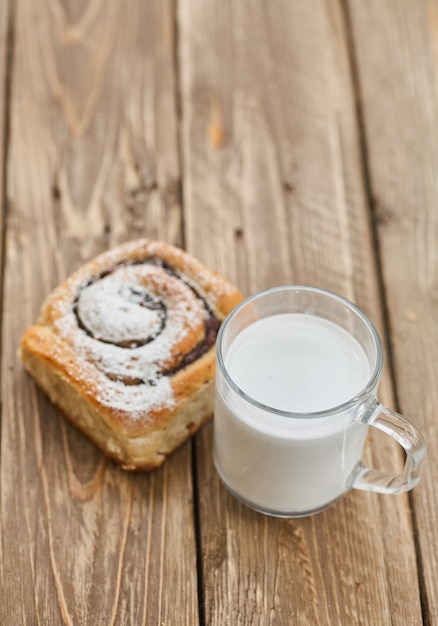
(411, 440)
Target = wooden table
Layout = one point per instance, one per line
(279, 142)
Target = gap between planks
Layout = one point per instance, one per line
(194, 465)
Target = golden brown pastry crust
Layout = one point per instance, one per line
(138, 394)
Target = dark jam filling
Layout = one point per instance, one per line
(211, 322)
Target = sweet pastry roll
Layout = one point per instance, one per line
(125, 347)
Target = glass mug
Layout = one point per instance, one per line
(296, 382)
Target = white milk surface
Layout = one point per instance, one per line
(297, 363)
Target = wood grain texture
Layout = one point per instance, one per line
(93, 161)
(273, 194)
(400, 111)
(5, 82)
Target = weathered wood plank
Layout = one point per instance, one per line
(93, 160)
(5, 19)
(400, 111)
(5, 44)
(274, 193)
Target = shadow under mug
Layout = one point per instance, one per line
(291, 464)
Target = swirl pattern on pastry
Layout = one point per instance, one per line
(137, 323)
(127, 342)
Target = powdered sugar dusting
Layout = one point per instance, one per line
(112, 309)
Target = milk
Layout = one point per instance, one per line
(298, 363)
(301, 364)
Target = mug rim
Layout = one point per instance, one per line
(344, 406)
